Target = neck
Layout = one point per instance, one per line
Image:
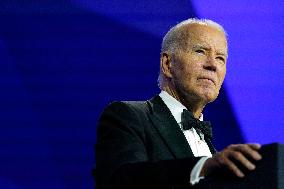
(193, 105)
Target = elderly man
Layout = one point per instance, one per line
(164, 142)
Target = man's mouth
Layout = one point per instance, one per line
(207, 79)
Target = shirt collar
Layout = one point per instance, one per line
(174, 106)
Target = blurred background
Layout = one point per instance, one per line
(63, 61)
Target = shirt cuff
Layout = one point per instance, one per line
(195, 173)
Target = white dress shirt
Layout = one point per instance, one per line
(198, 145)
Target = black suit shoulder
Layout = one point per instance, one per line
(130, 153)
(125, 115)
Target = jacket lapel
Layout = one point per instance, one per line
(168, 128)
(211, 146)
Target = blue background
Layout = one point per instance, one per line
(63, 61)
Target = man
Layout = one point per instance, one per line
(160, 143)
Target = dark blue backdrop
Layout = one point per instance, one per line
(61, 62)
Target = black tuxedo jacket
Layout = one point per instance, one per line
(140, 145)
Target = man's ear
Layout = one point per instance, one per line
(166, 64)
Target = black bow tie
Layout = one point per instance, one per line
(188, 121)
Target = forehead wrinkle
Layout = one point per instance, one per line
(196, 38)
(209, 44)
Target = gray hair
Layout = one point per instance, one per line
(173, 38)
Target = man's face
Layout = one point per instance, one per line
(198, 70)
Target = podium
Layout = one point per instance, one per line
(269, 173)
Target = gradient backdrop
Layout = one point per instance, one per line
(62, 61)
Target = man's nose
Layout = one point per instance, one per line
(210, 64)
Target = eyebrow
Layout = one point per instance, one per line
(208, 48)
(201, 47)
(222, 54)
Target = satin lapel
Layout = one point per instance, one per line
(169, 129)
(210, 145)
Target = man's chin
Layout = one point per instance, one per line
(203, 95)
(208, 97)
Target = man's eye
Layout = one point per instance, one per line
(200, 51)
(220, 58)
